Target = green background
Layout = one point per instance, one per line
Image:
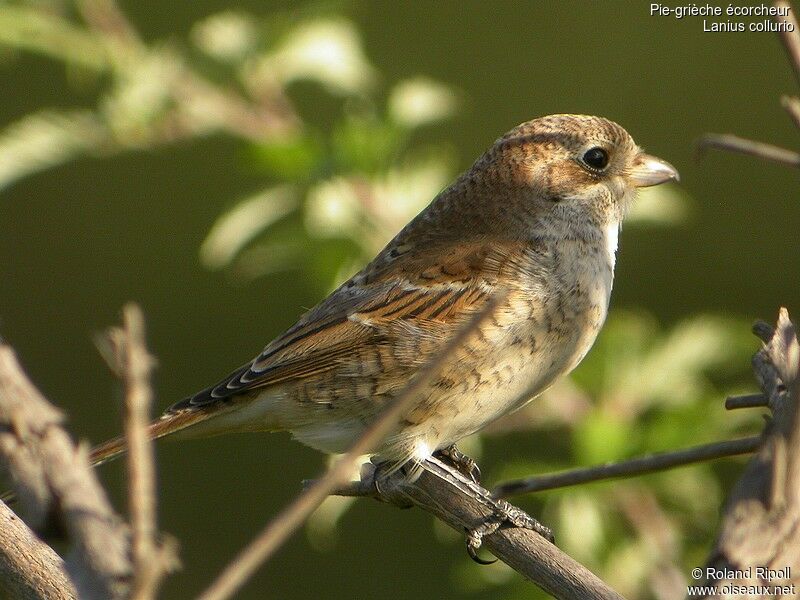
(78, 241)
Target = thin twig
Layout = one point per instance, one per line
(790, 39)
(792, 106)
(150, 561)
(733, 143)
(746, 401)
(628, 468)
(285, 523)
(351, 489)
(136, 366)
(105, 18)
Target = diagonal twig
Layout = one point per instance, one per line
(792, 106)
(791, 41)
(734, 143)
(789, 34)
(285, 523)
(629, 468)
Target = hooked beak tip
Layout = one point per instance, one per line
(649, 170)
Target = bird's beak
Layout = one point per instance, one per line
(649, 170)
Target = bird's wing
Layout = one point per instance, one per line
(400, 297)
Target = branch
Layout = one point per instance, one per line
(745, 401)
(761, 526)
(151, 560)
(734, 143)
(792, 106)
(54, 478)
(789, 35)
(523, 550)
(29, 568)
(629, 468)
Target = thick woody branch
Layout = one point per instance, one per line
(29, 568)
(55, 482)
(523, 550)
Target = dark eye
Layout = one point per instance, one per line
(596, 158)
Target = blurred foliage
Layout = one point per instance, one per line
(337, 189)
(359, 181)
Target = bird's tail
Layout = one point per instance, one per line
(167, 425)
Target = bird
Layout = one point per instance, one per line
(535, 221)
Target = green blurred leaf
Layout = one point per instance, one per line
(45, 139)
(602, 438)
(666, 206)
(366, 145)
(581, 525)
(290, 159)
(420, 101)
(38, 31)
(325, 50)
(237, 227)
(227, 36)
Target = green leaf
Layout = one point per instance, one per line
(45, 139)
(292, 158)
(240, 225)
(366, 145)
(38, 31)
(601, 438)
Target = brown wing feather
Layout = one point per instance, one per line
(372, 308)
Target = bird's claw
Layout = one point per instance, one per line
(475, 537)
(504, 514)
(465, 465)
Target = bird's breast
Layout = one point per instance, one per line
(568, 298)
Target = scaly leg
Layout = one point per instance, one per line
(503, 513)
(460, 461)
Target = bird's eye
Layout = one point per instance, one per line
(596, 158)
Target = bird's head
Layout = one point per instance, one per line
(572, 167)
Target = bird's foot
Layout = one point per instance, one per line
(460, 461)
(503, 514)
(500, 513)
